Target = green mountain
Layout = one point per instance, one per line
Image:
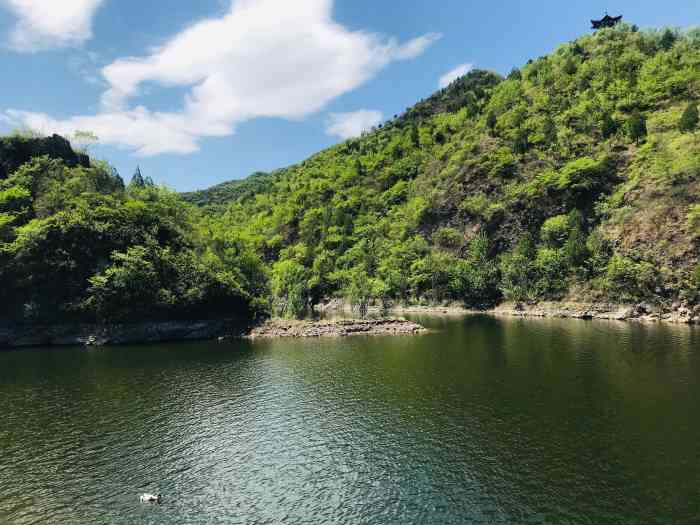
(577, 177)
(227, 192)
(573, 177)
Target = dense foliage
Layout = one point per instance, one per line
(77, 245)
(577, 176)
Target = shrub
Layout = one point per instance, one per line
(609, 126)
(695, 277)
(552, 267)
(447, 237)
(519, 272)
(689, 119)
(628, 280)
(555, 230)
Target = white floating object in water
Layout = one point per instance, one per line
(151, 498)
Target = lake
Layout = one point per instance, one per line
(483, 420)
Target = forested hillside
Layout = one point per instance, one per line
(577, 176)
(77, 245)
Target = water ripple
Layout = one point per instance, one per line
(483, 421)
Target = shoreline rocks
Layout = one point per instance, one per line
(677, 313)
(643, 313)
(115, 334)
(335, 328)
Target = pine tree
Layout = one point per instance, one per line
(139, 181)
(689, 119)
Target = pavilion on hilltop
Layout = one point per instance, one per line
(606, 21)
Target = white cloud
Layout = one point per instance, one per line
(150, 133)
(263, 58)
(44, 24)
(352, 124)
(454, 74)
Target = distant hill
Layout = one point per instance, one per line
(226, 192)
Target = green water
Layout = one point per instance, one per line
(482, 421)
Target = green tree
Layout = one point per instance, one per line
(139, 181)
(521, 142)
(608, 127)
(549, 131)
(637, 127)
(569, 66)
(290, 288)
(491, 121)
(668, 39)
(689, 119)
(519, 272)
(360, 290)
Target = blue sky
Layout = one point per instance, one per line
(201, 92)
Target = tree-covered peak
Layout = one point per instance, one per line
(455, 198)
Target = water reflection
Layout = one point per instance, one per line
(483, 420)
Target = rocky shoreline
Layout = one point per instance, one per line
(335, 328)
(677, 313)
(644, 313)
(115, 334)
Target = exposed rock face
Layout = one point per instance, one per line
(338, 328)
(96, 335)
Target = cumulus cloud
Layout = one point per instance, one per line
(454, 74)
(263, 58)
(44, 24)
(353, 123)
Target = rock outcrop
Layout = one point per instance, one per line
(336, 328)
